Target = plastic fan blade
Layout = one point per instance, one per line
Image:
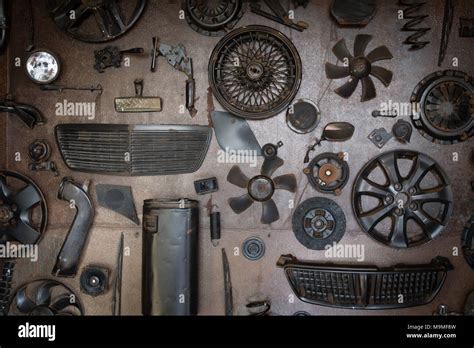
(269, 212)
(360, 44)
(368, 89)
(237, 177)
(240, 204)
(27, 197)
(380, 53)
(348, 88)
(23, 303)
(269, 166)
(336, 72)
(24, 233)
(341, 52)
(43, 293)
(384, 75)
(285, 182)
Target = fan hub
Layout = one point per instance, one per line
(360, 67)
(6, 214)
(261, 188)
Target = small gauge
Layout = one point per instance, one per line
(42, 67)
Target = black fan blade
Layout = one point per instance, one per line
(43, 293)
(360, 44)
(240, 204)
(368, 89)
(23, 303)
(348, 88)
(285, 182)
(269, 212)
(337, 72)
(269, 166)
(341, 52)
(27, 197)
(380, 53)
(4, 189)
(24, 233)
(62, 302)
(384, 75)
(237, 177)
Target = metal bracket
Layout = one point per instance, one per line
(177, 58)
(380, 137)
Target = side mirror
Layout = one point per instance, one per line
(338, 131)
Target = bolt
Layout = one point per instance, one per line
(412, 190)
(389, 199)
(398, 211)
(397, 186)
(413, 206)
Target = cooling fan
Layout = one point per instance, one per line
(261, 188)
(359, 67)
(45, 298)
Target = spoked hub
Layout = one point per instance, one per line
(402, 199)
(23, 212)
(255, 72)
(319, 223)
(360, 67)
(261, 188)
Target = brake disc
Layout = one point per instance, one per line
(255, 72)
(402, 211)
(446, 104)
(318, 222)
(328, 173)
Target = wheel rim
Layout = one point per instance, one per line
(416, 202)
(255, 72)
(96, 20)
(17, 222)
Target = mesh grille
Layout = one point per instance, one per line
(367, 288)
(136, 151)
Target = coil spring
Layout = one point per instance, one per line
(5, 286)
(411, 12)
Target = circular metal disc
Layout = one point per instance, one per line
(253, 248)
(318, 222)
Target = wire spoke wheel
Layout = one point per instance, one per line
(95, 20)
(402, 199)
(255, 72)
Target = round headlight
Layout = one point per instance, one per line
(42, 67)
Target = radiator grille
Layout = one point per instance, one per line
(367, 288)
(133, 150)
